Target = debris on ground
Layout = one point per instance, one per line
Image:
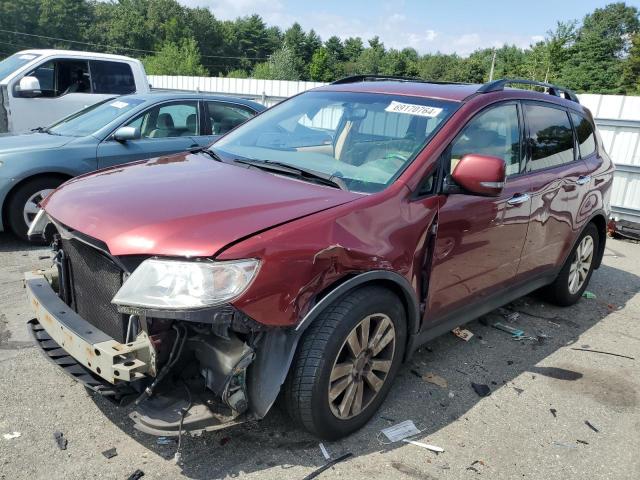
(518, 390)
(400, 431)
(591, 426)
(224, 440)
(165, 441)
(407, 470)
(588, 294)
(554, 412)
(110, 453)
(582, 441)
(604, 353)
(11, 436)
(462, 333)
(44, 257)
(564, 445)
(136, 475)
(327, 466)
(515, 332)
(435, 379)
(60, 440)
(433, 448)
(325, 452)
(481, 389)
(509, 315)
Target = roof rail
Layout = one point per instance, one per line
(498, 85)
(375, 78)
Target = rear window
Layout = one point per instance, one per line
(112, 77)
(585, 134)
(550, 137)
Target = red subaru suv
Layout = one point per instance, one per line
(310, 251)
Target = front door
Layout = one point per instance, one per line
(164, 129)
(480, 239)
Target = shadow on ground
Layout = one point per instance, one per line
(492, 357)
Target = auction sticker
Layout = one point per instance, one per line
(412, 109)
(119, 104)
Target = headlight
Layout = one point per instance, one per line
(174, 285)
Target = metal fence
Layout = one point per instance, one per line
(617, 117)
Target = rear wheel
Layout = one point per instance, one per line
(574, 277)
(346, 362)
(23, 205)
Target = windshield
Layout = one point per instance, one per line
(365, 139)
(93, 118)
(14, 62)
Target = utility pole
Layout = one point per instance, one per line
(493, 65)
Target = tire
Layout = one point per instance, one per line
(325, 345)
(560, 291)
(25, 193)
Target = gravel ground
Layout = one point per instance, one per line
(531, 426)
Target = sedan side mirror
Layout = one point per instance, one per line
(480, 174)
(29, 87)
(126, 133)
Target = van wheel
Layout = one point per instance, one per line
(346, 362)
(23, 205)
(574, 277)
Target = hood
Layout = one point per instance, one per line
(184, 205)
(31, 141)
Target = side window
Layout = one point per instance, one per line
(550, 137)
(585, 134)
(112, 77)
(177, 119)
(226, 116)
(495, 132)
(60, 77)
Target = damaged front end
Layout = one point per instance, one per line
(184, 366)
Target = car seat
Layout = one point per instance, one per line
(191, 125)
(164, 126)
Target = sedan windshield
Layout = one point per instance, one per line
(364, 139)
(93, 118)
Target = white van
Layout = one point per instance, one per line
(38, 87)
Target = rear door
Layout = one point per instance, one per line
(220, 117)
(165, 129)
(480, 239)
(557, 176)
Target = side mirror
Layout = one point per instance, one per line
(126, 133)
(29, 87)
(480, 174)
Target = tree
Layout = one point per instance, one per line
(353, 48)
(596, 59)
(321, 68)
(631, 77)
(66, 19)
(335, 49)
(281, 66)
(174, 59)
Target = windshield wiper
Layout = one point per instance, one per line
(43, 130)
(208, 152)
(303, 173)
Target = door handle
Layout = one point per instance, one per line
(583, 179)
(519, 198)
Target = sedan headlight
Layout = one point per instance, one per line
(175, 285)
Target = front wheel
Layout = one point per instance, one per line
(23, 204)
(574, 277)
(346, 362)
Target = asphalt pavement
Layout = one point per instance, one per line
(553, 412)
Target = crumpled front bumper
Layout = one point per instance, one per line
(99, 354)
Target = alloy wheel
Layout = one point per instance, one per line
(581, 264)
(31, 206)
(362, 366)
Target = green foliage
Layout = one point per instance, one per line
(281, 66)
(238, 73)
(174, 59)
(601, 54)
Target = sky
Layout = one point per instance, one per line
(448, 26)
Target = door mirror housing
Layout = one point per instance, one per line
(126, 133)
(480, 174)
(29, 87)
